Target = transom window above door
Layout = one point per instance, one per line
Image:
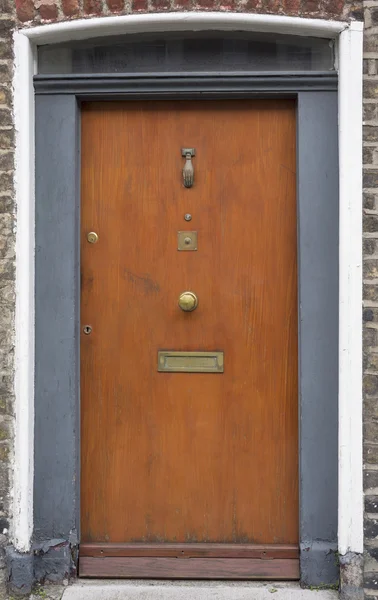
(189, 52)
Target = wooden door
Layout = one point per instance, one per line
(201, 466)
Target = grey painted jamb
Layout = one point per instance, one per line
(57, 399)
(56, 347)
(318, 219)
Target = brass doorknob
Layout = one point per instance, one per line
(188, 301)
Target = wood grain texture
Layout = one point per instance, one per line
(199, 568)
(175, 457)
(191, 550)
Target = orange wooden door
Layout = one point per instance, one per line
(189, 462)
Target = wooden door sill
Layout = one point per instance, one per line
(189, 561)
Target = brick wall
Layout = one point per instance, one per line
(370, 243)
(7, 260)
(52, 10)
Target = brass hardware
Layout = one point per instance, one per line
(187, 240)
(188, 170)
(188, 301)
(190, 362)
(87, 329)
(92, 237)
(188, 217)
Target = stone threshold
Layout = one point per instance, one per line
(192, 590)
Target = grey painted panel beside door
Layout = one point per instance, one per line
(56, 499)
(318, 220)
(56, 491)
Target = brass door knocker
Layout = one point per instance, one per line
(188, 170)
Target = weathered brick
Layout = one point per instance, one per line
(370, 453)
(115, 5)
(371, 384)
(371, 550)
(310, 6)
(160, 5)
(6, 181)
(291, 6)
(335, 7)
(370, 42)
(370, 155)
(370, 527)
(370, 479)
(6, 161)
(374, 15)
(251, 5)
(140, 5)
(370, 292)
(271, 6)
(370, 112)
(371, 404)
(370, 200)
(369, 314)
(25, 10)
(370, 133)
(370, 338)
(6, 7)
(371, 269)
(70, 7)
(179, 4)
(6, 138)
(371, 178)
(371, 505)
(369, 246)
(371, 581)
(6, 204)
(370, 361)
(370, 430)
(370, 223)
(92, 7)
(48, 11)
(370, 89)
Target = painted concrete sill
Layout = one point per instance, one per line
(180, 590)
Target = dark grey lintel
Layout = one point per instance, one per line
(185, 85)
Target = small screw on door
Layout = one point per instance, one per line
(188, 217)
(87, 329)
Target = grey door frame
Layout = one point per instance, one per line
(57, 285)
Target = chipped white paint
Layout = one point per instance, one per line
(350, 120)
(24, 320)
(350, 291)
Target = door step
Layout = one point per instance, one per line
(188, 590)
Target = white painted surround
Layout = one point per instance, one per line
(349, 44)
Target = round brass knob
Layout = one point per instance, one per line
(188, 301)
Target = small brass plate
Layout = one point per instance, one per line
(187, 240)
(190, 362)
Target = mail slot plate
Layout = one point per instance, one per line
(190, 362)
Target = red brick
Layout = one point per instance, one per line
(115, 5)
(250, 5)
(160, 4)
(48, 12)
(70, 7)
(92, 7)
(228, 5)
(291, 6)
(271, 6)
(311, 6)
(140, 5)
(183, 4)
(25, 10)
(334, 7)
(207, 4)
